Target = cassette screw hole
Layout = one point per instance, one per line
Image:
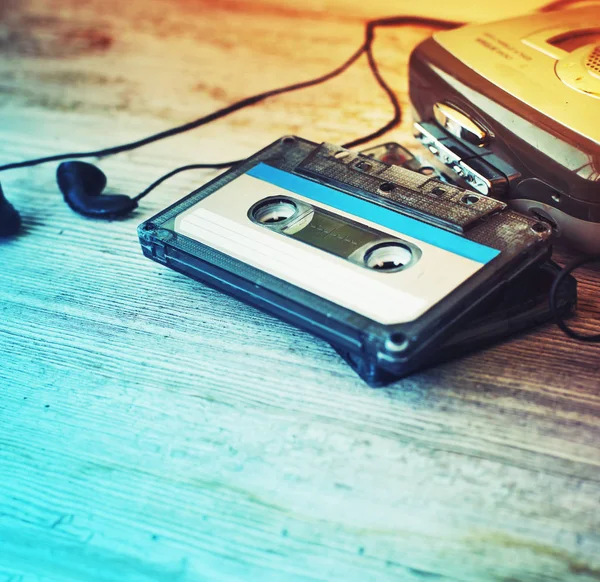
(556, 197)
(364, 166)
(288, 140)
(149, 226)
(274, 211)
(387, 187)
(397, 342)
(342, 154)
(470, 199)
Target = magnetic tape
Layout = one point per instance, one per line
(384, 263)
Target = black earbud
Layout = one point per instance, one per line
(10, 219)
(82, 185)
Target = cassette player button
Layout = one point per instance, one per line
(483, 177)
(452, 152)
(475, 171)
(459, 124)
(443, 147)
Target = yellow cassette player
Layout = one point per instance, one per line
(512, 110)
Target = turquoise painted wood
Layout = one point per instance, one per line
(152, 429)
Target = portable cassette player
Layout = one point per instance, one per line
(512, 110)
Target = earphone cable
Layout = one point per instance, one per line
(248, 101)
(558, 317)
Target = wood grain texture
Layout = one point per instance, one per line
(152, 429)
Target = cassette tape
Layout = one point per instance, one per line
(382, 262)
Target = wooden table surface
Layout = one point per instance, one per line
(152, 429)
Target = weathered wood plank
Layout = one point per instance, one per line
(153, 429)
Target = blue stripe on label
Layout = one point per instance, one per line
(378, 214)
